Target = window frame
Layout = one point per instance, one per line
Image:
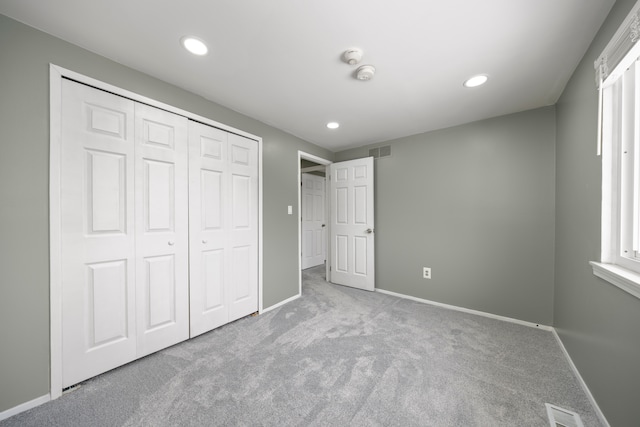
(619, 144)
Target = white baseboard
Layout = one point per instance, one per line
(468, 310)
(596, 408)
(281, 303)
(24, 407)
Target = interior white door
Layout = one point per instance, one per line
(223, 210)
(162, 242)
(97, 238)
(352, 223)
(313, 221)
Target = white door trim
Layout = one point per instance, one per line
(56, 74)
(320, 161)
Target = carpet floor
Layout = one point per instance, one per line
(335, 357)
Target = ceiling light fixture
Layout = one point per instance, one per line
(352, 56)
(333, 125)
(194, 45)
(476, 81)
(365, 72)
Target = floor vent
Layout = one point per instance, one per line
(380, 152)
(559, 417)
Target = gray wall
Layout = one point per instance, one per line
(476, 204)
(24, 179)
(598, 323)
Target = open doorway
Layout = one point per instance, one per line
(313, 209)
(349, 232)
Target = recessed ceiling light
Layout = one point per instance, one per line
(333, 125)
(476, 80)
(194, 45)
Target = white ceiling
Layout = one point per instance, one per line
(278, 61)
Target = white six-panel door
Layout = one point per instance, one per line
(313, 221)
(352, 223)
(98, 232)
(162, 215)
(223, 224)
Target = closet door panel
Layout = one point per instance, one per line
(162, 246)
(97, 238)
(243, 230)
(208, 220)
(213, 280)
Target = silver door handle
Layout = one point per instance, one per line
(171, 242)
(369, 230)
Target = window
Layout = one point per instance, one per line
(619, 144)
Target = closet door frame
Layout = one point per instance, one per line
(56, 74)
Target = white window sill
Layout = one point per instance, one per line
(626, 280)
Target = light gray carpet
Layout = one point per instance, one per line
(336, 356)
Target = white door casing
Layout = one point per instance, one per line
(97, 232)
(223, 174)
(313, 220)
(352, 223)
(162, 251)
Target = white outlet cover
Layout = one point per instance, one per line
(290, 210)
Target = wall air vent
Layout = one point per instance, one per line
(380, 152)
(559, 417)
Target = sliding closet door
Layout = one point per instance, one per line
(98, 236)
(208, 218)
(162, 240)
(223, 227)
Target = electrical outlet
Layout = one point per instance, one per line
(426, 272)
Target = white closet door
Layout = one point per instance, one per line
(162, 251)
(208, 219)
(140, 188)
(97, 240)
(223, 227)
(243, 226)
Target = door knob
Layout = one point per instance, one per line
(204, 241)
(171, 242)
(369, 230)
